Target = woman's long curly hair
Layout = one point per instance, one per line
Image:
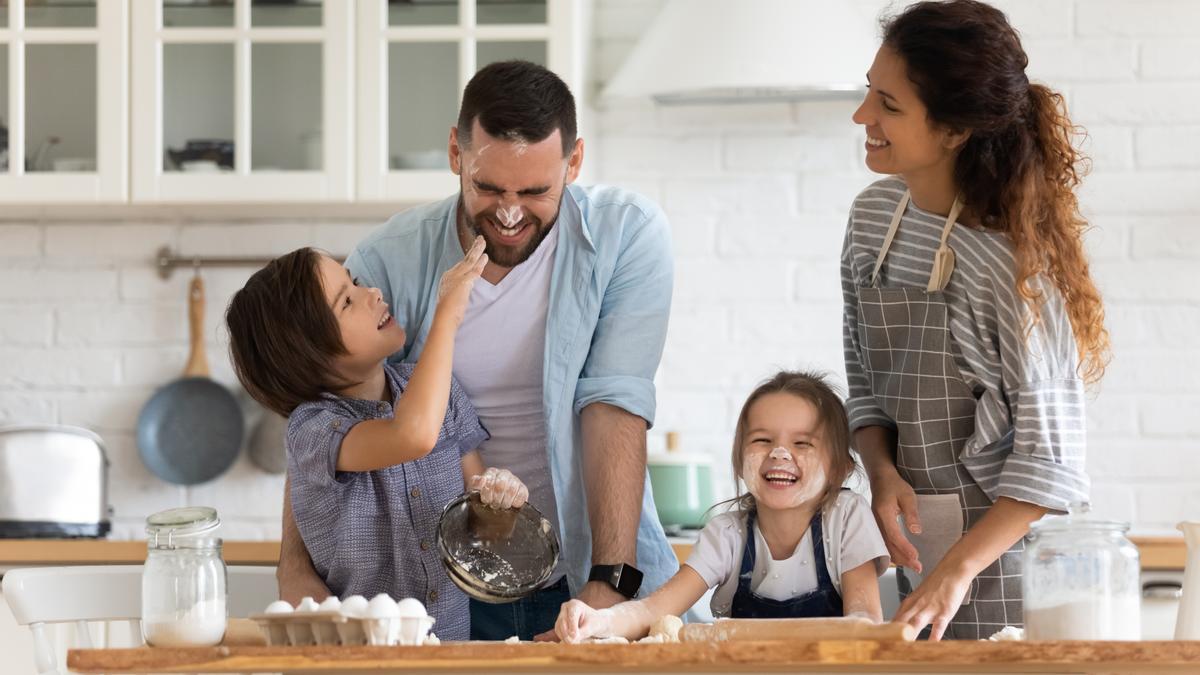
(1019, 168)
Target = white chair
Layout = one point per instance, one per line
(41, 596)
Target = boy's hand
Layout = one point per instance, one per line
(454, 291)
(500, 489)
(578, 622)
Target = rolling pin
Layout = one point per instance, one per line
(848, 628)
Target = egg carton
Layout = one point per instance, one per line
(334, 628)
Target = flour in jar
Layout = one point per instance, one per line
(202, 625)
(1100, 618)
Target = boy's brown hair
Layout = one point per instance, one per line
(283, 336)
(834, 429)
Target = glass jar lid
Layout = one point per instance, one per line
(1077, 518)
(188, 521)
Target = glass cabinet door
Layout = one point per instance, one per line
(415, 57)
(243, 100)
(63, 101)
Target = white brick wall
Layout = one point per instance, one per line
(758, 196)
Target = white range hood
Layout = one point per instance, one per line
(733, 51)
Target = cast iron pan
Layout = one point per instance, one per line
(190, 431)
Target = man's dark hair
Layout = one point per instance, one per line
(283, 335)
(518, 99)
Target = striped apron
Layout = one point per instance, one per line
(909, 357)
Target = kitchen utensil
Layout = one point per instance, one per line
(682, 485)
(190, 431)
(796, 630)
(53, 482)
(1187, 624)
(219, 151)
(267, 442)
(183, 580)
(1081, 579)
(496, 555)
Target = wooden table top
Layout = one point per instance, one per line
(740, 657)
(1157, 553)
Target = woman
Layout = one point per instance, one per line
(972, 324)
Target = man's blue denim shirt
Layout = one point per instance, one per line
(610, 297)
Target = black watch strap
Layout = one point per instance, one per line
(626, 579)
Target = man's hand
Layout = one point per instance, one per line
(295, 574)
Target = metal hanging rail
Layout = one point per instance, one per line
(166, 261)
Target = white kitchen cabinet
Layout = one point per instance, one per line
(64, 99)
(415, 57)
(253, 101)
(248, 100)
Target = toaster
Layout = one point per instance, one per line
(53, 482)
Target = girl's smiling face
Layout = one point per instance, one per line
(369, 332)
(785, 458)
(900, 137)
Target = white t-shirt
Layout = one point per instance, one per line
(498, 359)
(851, 539)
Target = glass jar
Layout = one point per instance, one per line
(1081, 579)
(183, 580)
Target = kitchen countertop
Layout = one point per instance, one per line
(1158, 553)
(742, 657)
(23, 552)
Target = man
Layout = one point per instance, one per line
(559, 345)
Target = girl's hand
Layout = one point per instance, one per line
(892, 496)
(454, 291)
(500, 489)
(578, 622)
(935, 602)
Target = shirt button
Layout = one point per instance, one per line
(336, 424)
(433, 596)
(383, 407)
(803, 562)
(415, 492)
(424, 545)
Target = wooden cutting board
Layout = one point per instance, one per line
(757, 630)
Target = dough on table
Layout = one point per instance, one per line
(668, 627)
(612, 640)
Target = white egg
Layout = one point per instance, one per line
(381, 606)
(330, 604)
(410, 607)
(354, 606)
(307, 604)
(279, 607)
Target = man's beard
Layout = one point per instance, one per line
(499, 254)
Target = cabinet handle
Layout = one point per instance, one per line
(1162, 590)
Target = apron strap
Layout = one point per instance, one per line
(943, 260)
(891, 234)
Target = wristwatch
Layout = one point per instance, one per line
(626, 579)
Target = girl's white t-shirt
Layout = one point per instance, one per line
(851, 539)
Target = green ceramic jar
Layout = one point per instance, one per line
(682, 485)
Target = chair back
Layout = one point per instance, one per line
(81, 595)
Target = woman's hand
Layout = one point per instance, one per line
(454, 291)
(892, 496)
(500, 489)
(577, 622)
(936, 601)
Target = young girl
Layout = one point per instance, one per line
(971, 321)
(797, 545)
(375, 450)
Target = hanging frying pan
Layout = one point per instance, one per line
(190, 431)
